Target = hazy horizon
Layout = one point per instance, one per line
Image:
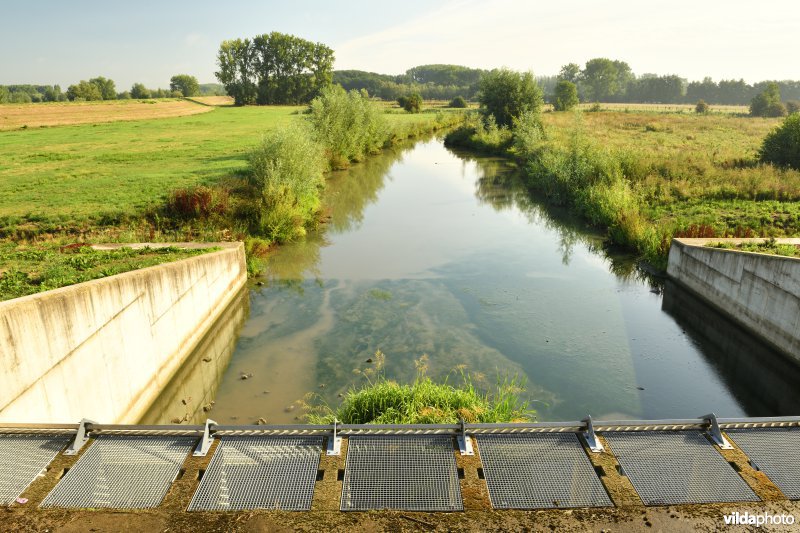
(55, 43)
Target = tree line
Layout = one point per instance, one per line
(606, 80)
(431, 82)
(101, 88)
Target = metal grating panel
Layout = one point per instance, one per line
(672, 467)
(776, 452)
(412, 473)
(251, 472)
(22, 458)
(122, 472)
(542, 470)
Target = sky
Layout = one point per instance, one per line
(46, 42)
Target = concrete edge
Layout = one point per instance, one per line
(226, 246)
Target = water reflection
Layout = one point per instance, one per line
(188, 397)
(439, 253)
(763, 380)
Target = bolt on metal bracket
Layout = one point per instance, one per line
(334, 441)
(464, 441)
(207, 440)
(591, 438)
(715, 433)
(80, 438)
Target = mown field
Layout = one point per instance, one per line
(25, 116)
(82, 176)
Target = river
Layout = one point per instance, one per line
(427, 252)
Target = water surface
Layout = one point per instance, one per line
(430, 252)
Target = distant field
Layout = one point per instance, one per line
(80, 175)
(667, 108)
(17, 116)
(212, 100)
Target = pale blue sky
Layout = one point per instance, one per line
(62, 42)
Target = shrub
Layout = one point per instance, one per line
(401, 101)
(458, 102)
(768, 102)
(782, 145)
(506, 95)
(198, 202)
(702, 107)
(792, 106)
(413, 103)
(286, 169)
(139, 91)
(528, 135)
(565, 96)
(347, 124)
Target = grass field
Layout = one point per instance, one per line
(212, 100)
(81, 176)
(25, 116)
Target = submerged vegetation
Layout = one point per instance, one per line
(28, 269)
(383, 401)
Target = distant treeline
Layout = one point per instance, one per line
(432, 82)
(600, 80)
(606, 80)
(101, 88)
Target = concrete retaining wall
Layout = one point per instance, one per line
(760, 292)
(105, 348)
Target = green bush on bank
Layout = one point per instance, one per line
(348, 125)
(286, 170)
(781, 147)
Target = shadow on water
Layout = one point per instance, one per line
(188, 397)
(763, 380)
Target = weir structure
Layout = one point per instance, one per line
(427, 468)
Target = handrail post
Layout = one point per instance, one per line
(334, 441)
(716, 433)
(464, 442)
(205, 442)
(81, 437)
(591, 438)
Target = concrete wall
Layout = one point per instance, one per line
(760, 292)
(105, 348)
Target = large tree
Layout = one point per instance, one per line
(274, 68)
(605, 80)
(186, 84)
(506, 95)
(106, 87)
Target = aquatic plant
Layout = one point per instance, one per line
(383, 401)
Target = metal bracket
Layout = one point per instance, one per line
(591, 438)
(334, 441)
(80, 438)
(206, 441)
(464, 442)
(715, 433)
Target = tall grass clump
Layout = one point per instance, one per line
(383, 401)
(480, 134)
(287, 173)
(348, 124)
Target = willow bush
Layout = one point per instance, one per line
(348, 124)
